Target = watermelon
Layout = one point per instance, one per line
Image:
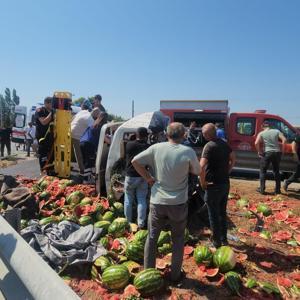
(264, 209)
(243, 202)
(85, 220)
(44, 184)
(98, 216)
(94, 273)
(133, 267)
(104, 241)
(203, 255)
(111, 198)
(116, 277)
(165, 249)
(281, 216)
(141, 236)
(108, 216)
(118, 227)
(86, 201)
(251, 283)
(269, 288)
(104, 225)
(118, 209)
(75, 197)
(224, 258)
(102, 263)
(233, 281)
(44, 195)
(164, 238)
(47, 220)
(148, 281)
(265, 235)
(212, 272)
(135, 251)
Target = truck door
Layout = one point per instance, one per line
(242, 135)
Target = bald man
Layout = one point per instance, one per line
(171, 163)
(217, 161)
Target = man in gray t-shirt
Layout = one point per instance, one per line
(170, 163)
(269, 151)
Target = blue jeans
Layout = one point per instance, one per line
(136, 188)
(216, 200)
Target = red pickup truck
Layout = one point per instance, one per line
(241, 129)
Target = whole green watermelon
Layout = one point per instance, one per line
(116, 277)
(135, 251)
(203, 255)
(224, 258)
(104, 241)
(108, 216)
(141, 236)
(104, 225)
(148, 282)
(118, 227)
(85, 220)
(164, 238)
(118, 209)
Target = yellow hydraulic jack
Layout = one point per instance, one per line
(62, 133)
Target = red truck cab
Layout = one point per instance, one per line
(241, 129)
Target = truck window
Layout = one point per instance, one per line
(281, 126)
(245, 126)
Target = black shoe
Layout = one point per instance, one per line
(285, 186)
(260, 191)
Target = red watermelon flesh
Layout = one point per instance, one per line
(212, 272)
(130, 290)
(281, 216)
(282, 235)
(188, 250)
(285, 282)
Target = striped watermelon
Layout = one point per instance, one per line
(135, 251)
(108, 216)
(224, 258)
(104, 225)
(141, 236)
(118, 209)
(116, 277)
(85, 220)
(148, 282)
(75, 197)
(104, 241)
(233, 281)
(203, 255)
(118, 227)
(164, 238)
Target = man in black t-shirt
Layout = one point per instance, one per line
(44, 134)
(136, 188)
(216, 162)
(296, 152)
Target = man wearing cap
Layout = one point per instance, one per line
(79, 124)
(97, 103)
(270, 151)
(136, 187)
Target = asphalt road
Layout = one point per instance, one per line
(26, 167)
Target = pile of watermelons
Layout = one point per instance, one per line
(121, 269)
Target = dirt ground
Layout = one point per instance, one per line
(270, 259)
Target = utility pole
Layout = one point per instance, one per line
(132, 108)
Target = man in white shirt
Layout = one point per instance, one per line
(29, 137)
(80, 123)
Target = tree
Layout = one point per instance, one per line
(15, 97)
(78, 101)
(7, 110)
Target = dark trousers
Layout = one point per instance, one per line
(29, 142)
(88, 152)
(176, 216)
(216, 197)
(5, 143)
(268, 158)
(46, 153)
(294, 176)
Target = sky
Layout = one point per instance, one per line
(147, 50)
